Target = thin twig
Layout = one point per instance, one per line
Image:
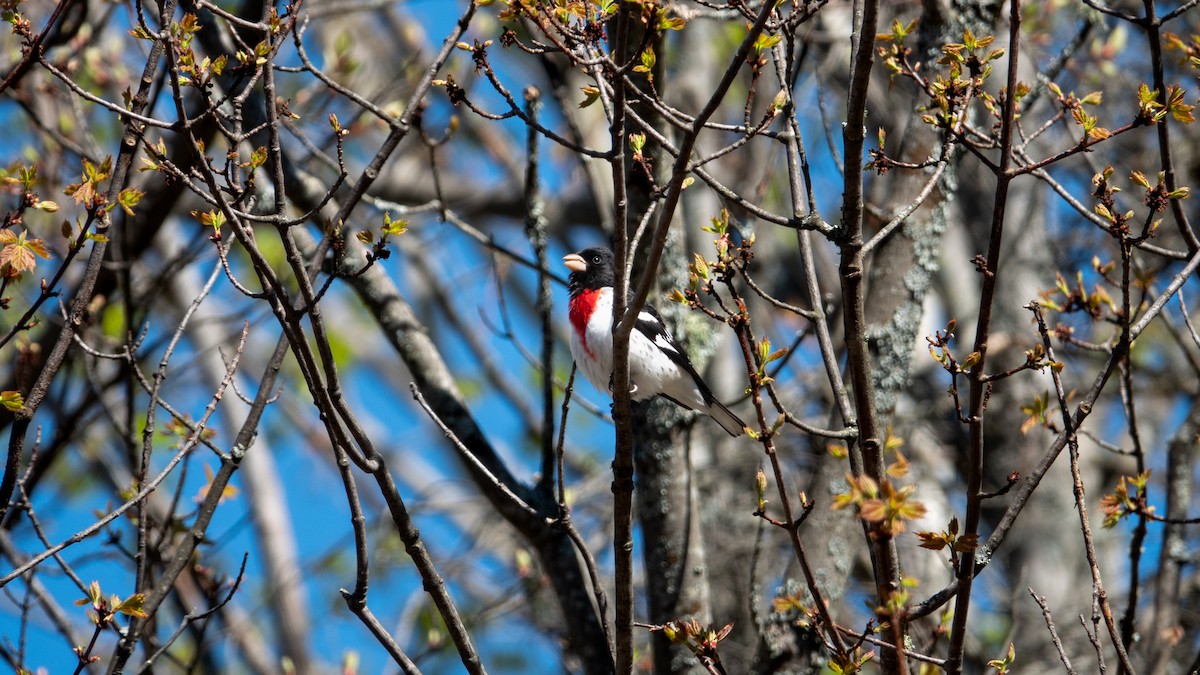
(1080, 499)
(535, 231)
(470, 457)
(1062, 655)
(193, 617)
(978, 388)
(182, 556)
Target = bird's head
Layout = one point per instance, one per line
(591, 268)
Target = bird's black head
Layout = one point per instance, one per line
(591, 268)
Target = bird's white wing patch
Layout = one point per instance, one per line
(664, 343)
(649, 318)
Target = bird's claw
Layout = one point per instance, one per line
(633, 388)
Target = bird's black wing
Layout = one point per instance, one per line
(650, 324)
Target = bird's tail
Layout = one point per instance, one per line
(732, 424)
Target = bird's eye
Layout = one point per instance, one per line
(596, 259)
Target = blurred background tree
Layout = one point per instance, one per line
(286, 384)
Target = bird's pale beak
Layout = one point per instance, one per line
(575, 262)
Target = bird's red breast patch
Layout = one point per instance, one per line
(581, 308)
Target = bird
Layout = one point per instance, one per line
(657, 364)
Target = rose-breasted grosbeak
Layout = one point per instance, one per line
(657, 365)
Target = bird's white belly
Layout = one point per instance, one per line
(650, 371)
